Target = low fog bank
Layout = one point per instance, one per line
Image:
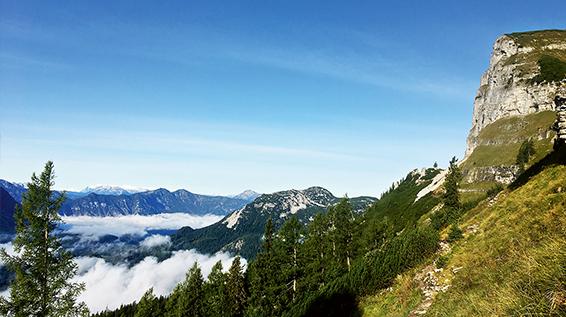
(89, 227)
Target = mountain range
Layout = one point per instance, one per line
(240, 232)
(116, 201)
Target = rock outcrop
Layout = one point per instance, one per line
(507, 87)
(560, 125)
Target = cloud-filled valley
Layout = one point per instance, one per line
(137, 225)
(109, 286)
(110, 279)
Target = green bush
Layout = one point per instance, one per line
(441, 262)
(455, 233)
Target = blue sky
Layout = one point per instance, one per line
(217, 97)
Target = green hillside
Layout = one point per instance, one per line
(511, 261)
(544, 51)
(498, 147)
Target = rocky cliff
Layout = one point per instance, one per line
(514, 103)
(512, 85)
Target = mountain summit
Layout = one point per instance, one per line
(113, 190)
(241, 231)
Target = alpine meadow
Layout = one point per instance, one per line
(296, 158)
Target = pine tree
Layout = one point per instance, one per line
(290, 261)
(191, 300)
(188, 297)
(526, 150)
(42, 267)
(343, 235)
(235, 290)
(215, 291)
(263, 281)
(148, 305)
(451, 196)
(317, 250)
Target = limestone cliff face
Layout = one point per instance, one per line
(506, 88)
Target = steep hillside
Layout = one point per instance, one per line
(511, 261)
(408, 199)
(241, 231)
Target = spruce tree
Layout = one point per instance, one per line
(191, 299)
(215, 291)
(343, 235)
(317, 250)
(43, 269)
(451, 196)
(263, 281)
(290, 261)
(148, 305)
(235, 290)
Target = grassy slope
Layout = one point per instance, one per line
(515, 264)
(500, 143)
(527, 63)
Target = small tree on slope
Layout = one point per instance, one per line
(43, 268)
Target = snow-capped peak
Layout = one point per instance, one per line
(247, 195)
(113, 189)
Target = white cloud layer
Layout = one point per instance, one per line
(109, 286)
(155, 240)
(95, 227)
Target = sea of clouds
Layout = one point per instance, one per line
(89, 227)
(110, 285)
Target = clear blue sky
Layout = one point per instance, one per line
(217, 97)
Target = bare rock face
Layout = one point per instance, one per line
(506, 88)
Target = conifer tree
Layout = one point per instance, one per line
(526, 150)
(188, 297)
(262, 276)
(43, 269)
(343, 234)
(317, 250)
(215, 291)
(289, 260)
(451, 196)
(235, 290)
(148, 305)
(191, 300)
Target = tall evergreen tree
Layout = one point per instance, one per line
(289, 260)
(343, 235)
(317, 250)
(451, 196)
(148, 305)
(43, 269)
(187, 298)
(215, 291)
(526, 150)
(236, 294)
(263, 281)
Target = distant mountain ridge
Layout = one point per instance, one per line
(113, 190)
(149, 203)
(241, 231)
(142, 203)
